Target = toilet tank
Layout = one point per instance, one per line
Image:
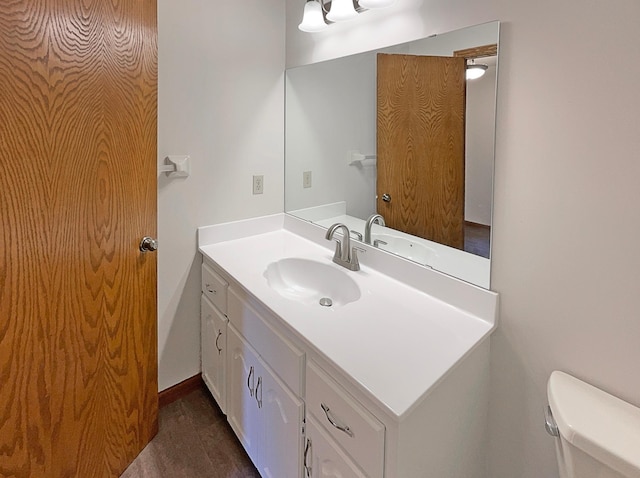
(599, 434)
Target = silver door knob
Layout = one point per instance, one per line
(148, 244)
(386, 197)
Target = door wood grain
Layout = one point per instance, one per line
(78, 351)
(420, 145)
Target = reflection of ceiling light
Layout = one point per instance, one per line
(312, 18)
(475, 71)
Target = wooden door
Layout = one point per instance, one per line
(78, 347)
(420, 145)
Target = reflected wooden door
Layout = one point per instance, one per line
(78, 366)
(420, 145)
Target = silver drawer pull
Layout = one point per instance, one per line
(249, 380)
(218, 338)
(342, 428)
(259, 386)
(307, 459)
(210, 289)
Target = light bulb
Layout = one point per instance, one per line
(341, 10)
(312, 18)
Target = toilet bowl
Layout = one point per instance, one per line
(597, 434)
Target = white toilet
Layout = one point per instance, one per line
(598, 434)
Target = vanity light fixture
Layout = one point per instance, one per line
(318, 14)
(313, 17)
(474, 70)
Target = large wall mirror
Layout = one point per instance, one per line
(401, 133)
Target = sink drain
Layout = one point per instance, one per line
(326, 302)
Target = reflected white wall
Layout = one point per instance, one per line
(479, 147)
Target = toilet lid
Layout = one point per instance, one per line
(601, 425)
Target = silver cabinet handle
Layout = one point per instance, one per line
(249, 379)
(386, 197)
(218, 338)
(308, 453)
(148, 244)
(210, 289)
(342, 428)
(259, 386)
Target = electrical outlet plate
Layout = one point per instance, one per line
(306, 179)
(258, 184)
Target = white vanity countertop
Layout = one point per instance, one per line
(396, 342)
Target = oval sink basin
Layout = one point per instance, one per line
(411, 250)
(308, 281)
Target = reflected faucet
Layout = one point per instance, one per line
(374, 218)
(344, 255)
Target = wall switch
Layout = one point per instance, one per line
(258, 184)
(306, 179)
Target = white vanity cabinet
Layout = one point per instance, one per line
(263, 410)
(392, 385)
(213, 329)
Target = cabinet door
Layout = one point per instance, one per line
(213, 342)
(242, 409)
(323, 457)
(282, 414)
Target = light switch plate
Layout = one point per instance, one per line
(258, 184)
(306, 179)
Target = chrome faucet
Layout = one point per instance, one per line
(367, 227)
(344, 255)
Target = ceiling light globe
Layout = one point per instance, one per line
(341, 10)
(476, 71)
(312, 18)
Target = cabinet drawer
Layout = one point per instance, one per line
(324, 458)
(214, 288)
(362, 434)
(281, 355)
(213, 342)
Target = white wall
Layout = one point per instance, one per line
(331, 111)
(221, 100)
(479, 147)
(566, 218)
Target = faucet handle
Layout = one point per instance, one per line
(338, 250)
(355, 264)
(357, 234)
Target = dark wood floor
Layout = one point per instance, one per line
(194, 440)
(477, 239)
